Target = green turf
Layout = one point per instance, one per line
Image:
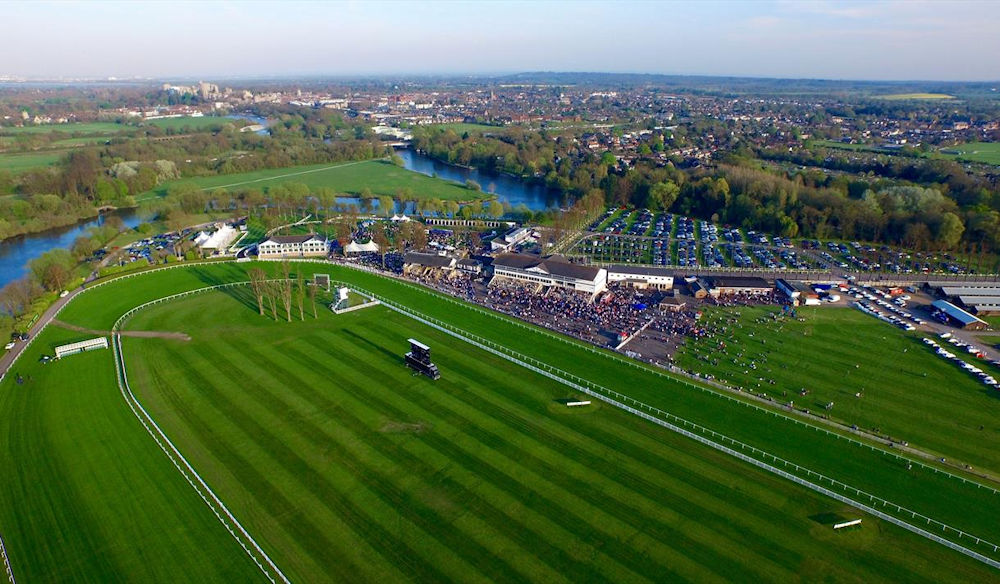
(86, 495)
(16, 163)
(380, 176)
(80, 128)
(838, 352)
(987, 152)
(349, 467)
(938, 495)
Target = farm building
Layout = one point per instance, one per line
(289, 246)
(958, 317)
(553, 270)
(641, 277)
(740, 285)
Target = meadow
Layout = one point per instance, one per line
(77, 128)
(919, 96)
(312, 424)
(17, 163)
(195, 123)
(380, 176)
(985, 152)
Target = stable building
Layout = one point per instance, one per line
(293, 246)
(641, 277)
(958, 317)
(553, 270)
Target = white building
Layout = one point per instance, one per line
(642, 276)
(289, 246)
(553, 270)
(218, 241)
(508, 240)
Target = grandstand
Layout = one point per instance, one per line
(550, 271)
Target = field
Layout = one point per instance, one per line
(904, 96)
(196, 123)
(986, 152)
(382, 177)
(920, 398)
(341, 463)
(81, 128)
(460, 128)
(16, 163)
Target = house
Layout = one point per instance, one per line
(642, 277)
(291, 246)
(553, 270)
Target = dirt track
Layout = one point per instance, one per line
(140, 334)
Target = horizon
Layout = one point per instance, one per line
(885, 41)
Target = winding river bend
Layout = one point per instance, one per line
(16, 252)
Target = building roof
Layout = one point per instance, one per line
(355, 247)
(981, 290)
(431, 260)
(672, 301)
(555, 265)
(740, 282)
(293, 238)
(956, 313)
(640, 270)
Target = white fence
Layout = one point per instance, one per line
(232, 525)
(752, 455)
(6, 563)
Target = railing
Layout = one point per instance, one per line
(715, 439)
(6, 563)
(222, 513)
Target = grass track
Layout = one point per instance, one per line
(99, 310)
(519, 491)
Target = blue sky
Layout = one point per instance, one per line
(897, 39)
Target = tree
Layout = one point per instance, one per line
(473, 185)
(83, 247)
(386, 206)
(286, 288)
(300, 291)
(312, 296)
(662, 195)
(495, 209)
(380, 239)
(950, 231)
(258, 286)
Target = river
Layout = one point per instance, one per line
(508, 189)
(16, 252)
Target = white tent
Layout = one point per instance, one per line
(355, 247)
(400, 218)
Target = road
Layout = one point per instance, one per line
(11, 356)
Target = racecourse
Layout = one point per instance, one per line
(391, 458)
